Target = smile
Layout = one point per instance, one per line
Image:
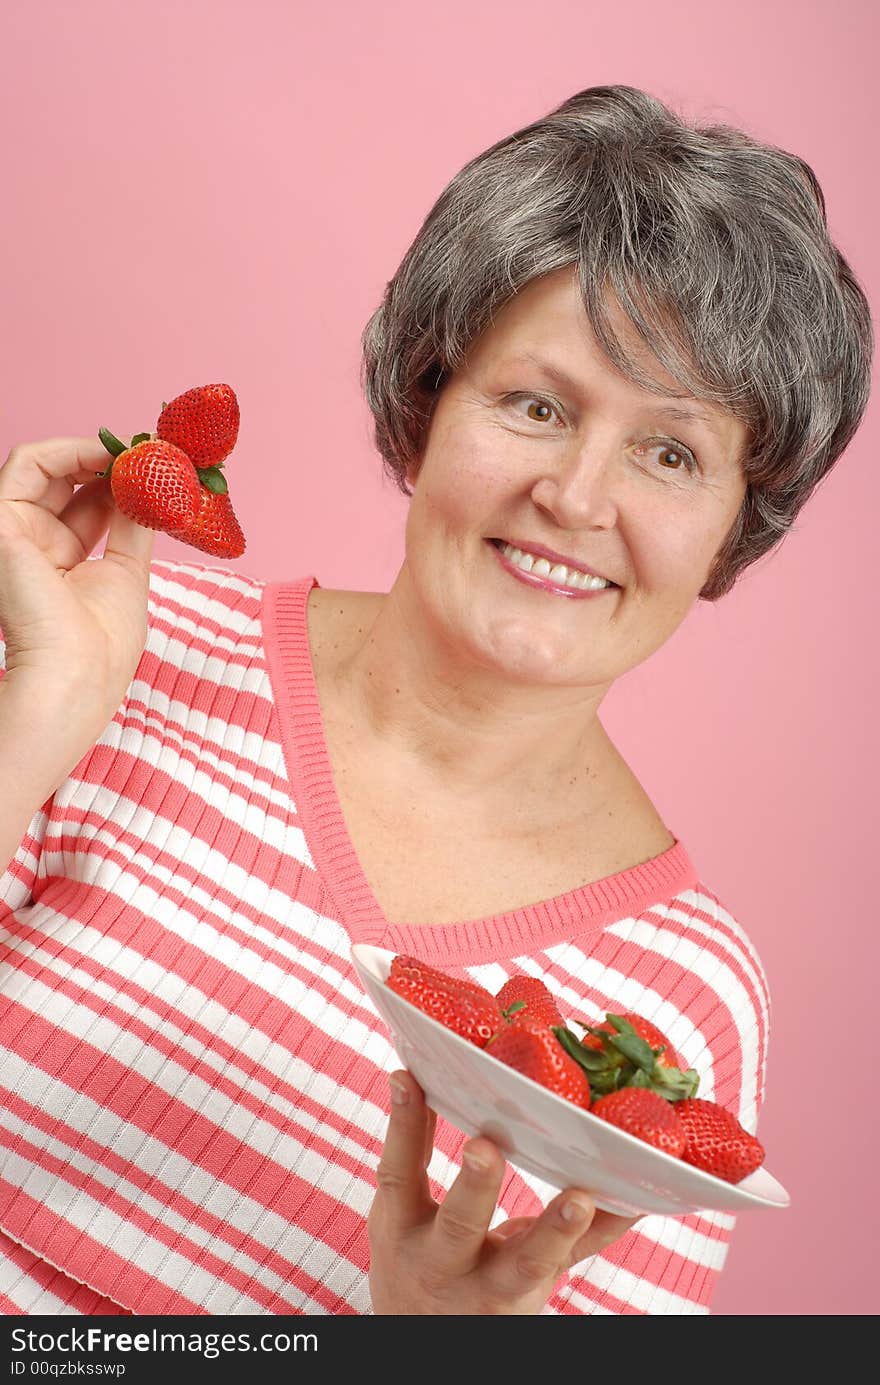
(555, 578)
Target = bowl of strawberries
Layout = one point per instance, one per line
(611, 1109)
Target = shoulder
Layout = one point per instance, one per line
(197, 594)
(730, 1005)
(336, 619)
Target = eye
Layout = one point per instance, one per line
(545, 407)
(666, 447)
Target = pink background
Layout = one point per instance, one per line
(209, 191)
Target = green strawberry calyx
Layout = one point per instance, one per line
(115, 446)
(626, 1060)
(211, 477)
(513, 1008)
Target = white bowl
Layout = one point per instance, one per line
(540, 1132)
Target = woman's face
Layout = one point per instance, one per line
(594, 470)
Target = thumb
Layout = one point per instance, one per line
(129, 542)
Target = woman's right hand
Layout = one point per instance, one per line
(74, 630)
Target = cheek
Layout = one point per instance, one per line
(670, 556)
(461, 481)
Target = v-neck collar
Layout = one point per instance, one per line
(587, 909)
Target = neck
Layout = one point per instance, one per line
(469, 729)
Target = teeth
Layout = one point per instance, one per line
(560, 574)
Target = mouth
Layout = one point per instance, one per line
(540, 567)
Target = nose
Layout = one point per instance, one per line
(580, 491)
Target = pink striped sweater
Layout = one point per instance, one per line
(193, 1095)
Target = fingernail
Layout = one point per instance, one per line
(474, 1161)
(574, 1212)
(399, 1093)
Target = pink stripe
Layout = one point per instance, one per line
(704, 1007)
(51, 1280)
(342, 1064)
(136, 717)
(8, 1309)
(137, 1101)
(30, 1221)
(199, 1215)
(219, 1081)
(133, 1215)
(600, 1297)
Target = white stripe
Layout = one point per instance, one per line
(684, 1240)
(750, 956)
(723, 1219)
(240, 1123)
(265, 754)
(743, 954)
(27, 1293)
(274, 1058)
(723, 980)
(682, 1034)
(337, 1272)
(635, 997)
(123, 1238)
(15, 892)
(268, 973)
(628, 1288)
(202, 858)
(166, 586)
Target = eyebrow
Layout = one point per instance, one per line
(561, 377)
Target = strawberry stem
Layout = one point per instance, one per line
(111, 442)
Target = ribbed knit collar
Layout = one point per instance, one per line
(565, 918)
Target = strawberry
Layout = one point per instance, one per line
(645, 1030)
(404, 964)
(462, 1006)
(527, 995)
(153, 483)
(203, 423)
(615, 1055)
(646, 1115)
(716, 1142)
(214, 529)
(534, 1050)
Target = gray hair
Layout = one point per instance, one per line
(716, 248)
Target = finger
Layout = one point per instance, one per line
(462, 1221)
(604, 1230)
(429, 1135)
(129, 542)
(545, 1251)
(45, 473)
(401, 1178)
(86, 518)
(505, 1231)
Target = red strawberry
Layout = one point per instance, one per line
(534, 1050)
(532, 998)
(458, 1005)
(716, 1142)
(203, 423)
(404, 964)
(645, 1030)
(646, 1115)
(619, 1053)
(214, 528)
(154, 483)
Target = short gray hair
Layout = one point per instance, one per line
(716, 248)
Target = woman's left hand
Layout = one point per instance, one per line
(441, 1258)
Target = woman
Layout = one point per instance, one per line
(620, 349)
